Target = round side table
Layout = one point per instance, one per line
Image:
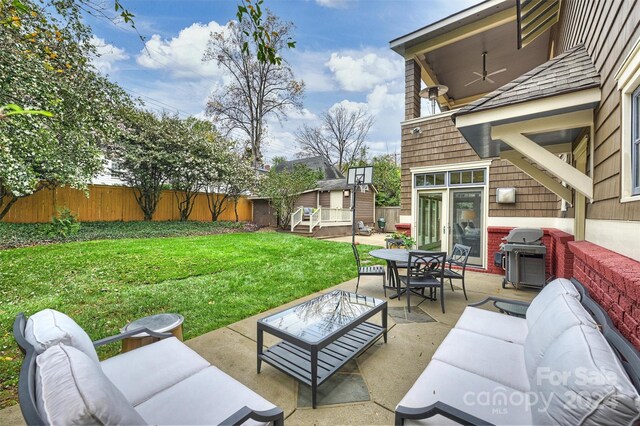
(160, 323)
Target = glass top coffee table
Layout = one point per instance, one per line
(321, 335)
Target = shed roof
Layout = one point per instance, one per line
(314, 163)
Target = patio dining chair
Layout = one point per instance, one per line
(425, 269)
(367, 270)
(459, 257)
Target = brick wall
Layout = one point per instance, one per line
(613, 280)
(558, 261)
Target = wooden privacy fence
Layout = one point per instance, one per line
(112, 203)
(391, 216)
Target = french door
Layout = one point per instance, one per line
(451, 216)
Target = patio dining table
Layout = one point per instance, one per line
(393, 257)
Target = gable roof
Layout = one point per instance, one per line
(314, 163)
(568, 72)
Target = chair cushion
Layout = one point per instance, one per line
(135, 373)
(493, 324)
(471, 393)
(495, 359)
(208, 397)
(555, 288)
(49, 327)
(581, 381)
(72, 389)
(561, 314)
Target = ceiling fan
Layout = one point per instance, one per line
(485, 76)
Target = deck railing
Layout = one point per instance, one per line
(336, 215)
(314, 219)
(296, 218)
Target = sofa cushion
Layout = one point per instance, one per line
(495, 359)
(493, 324)
(49, 327)
(72, 389)
(557, 287)
(135, 373)
(581, 381)
(477, 395)
(208, 397)
(560, 314)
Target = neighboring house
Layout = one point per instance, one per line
(331, 196)
(553, 114)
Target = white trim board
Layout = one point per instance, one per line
(535, 106)
(563, 224)
(616, 235)
(451, 167)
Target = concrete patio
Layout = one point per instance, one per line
(374, 383)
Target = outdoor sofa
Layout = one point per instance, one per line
(564, 364)
(63, 382)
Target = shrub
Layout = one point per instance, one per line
(64, 224)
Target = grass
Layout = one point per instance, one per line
(13, 235)
(212, 280)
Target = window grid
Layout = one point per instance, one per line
(453, 178)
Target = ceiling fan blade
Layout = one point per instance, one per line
(478, 74)
(489, 80)
(497, 72)
(474, 81)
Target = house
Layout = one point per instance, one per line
(538, 127)
(332, 198)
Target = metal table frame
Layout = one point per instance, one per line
(314, 363)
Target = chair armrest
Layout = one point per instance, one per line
(499, 299)
(440, 408)
(275, 415)
(118, 337)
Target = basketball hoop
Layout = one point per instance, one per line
(363, 188)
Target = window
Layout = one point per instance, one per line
(466, 177)
(628, 77)
(425, 180)
(635, 142)
(462, 177)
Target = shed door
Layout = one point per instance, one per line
(335, 201)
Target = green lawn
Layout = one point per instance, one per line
(211, 280)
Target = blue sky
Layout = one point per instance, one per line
(342, 54)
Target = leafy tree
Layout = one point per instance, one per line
(194, 145)
(257, 89)
(386, 179)
(340, 139)
(44, 65)
(284, 187)
(146, 157)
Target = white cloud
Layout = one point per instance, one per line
(309, 66)
(182, 55)
(362, 71)
(107, 55)
(334, 4)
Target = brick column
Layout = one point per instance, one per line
(412, 90)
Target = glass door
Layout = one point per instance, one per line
(430, 221)
(466, 221)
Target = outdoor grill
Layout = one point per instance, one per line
(522, 256)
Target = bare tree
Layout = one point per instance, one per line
(257, 89)
(340, 139)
